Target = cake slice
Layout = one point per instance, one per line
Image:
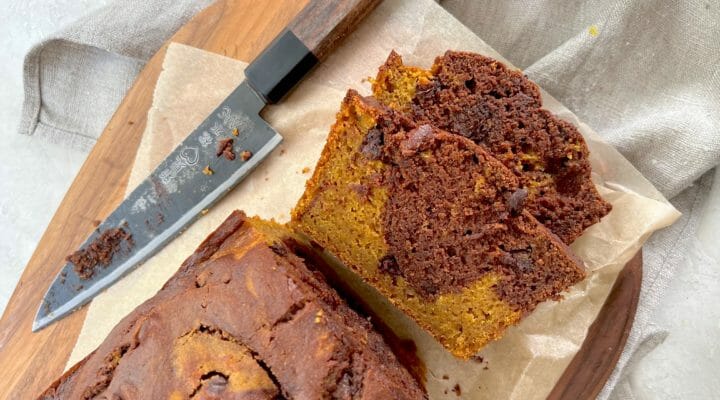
(481, 99)
(434, 223)
(243, 318)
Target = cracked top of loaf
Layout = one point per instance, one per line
(243, 318)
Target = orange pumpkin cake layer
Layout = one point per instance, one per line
(434, 223)
(481, 99)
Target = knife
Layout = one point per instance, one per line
(206, 165)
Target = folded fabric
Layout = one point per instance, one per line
(76, 78)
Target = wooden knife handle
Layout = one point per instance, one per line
(322, 24)
(309, 38)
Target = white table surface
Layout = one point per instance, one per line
(35, 174)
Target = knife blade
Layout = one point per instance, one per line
(196, 174)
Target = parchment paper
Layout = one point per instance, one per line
(528, 360)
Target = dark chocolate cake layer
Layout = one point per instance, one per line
(479, 98)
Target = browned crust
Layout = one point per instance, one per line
(238, 288)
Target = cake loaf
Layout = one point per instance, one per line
(243, 318)
(481, 99)
(434, 223)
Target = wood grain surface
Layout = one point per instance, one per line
(324, 23)
(239, 29)
(591, 367)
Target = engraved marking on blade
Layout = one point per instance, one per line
(150, 197)
(140, 205)
(205, 139)
(233, 120)
(217, 129)
(190, 155)
(178, 172)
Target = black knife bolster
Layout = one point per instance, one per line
(280, 67)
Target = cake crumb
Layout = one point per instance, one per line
(245, 155)
(445, 377)
(593, 30)
(235, 132)
(457, 390)
(306, 170)
(204, 211)
(225, 149)
(99, 252)
(207, 170)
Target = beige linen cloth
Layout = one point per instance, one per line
(649, 84)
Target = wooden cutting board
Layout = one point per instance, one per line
(239, 29)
